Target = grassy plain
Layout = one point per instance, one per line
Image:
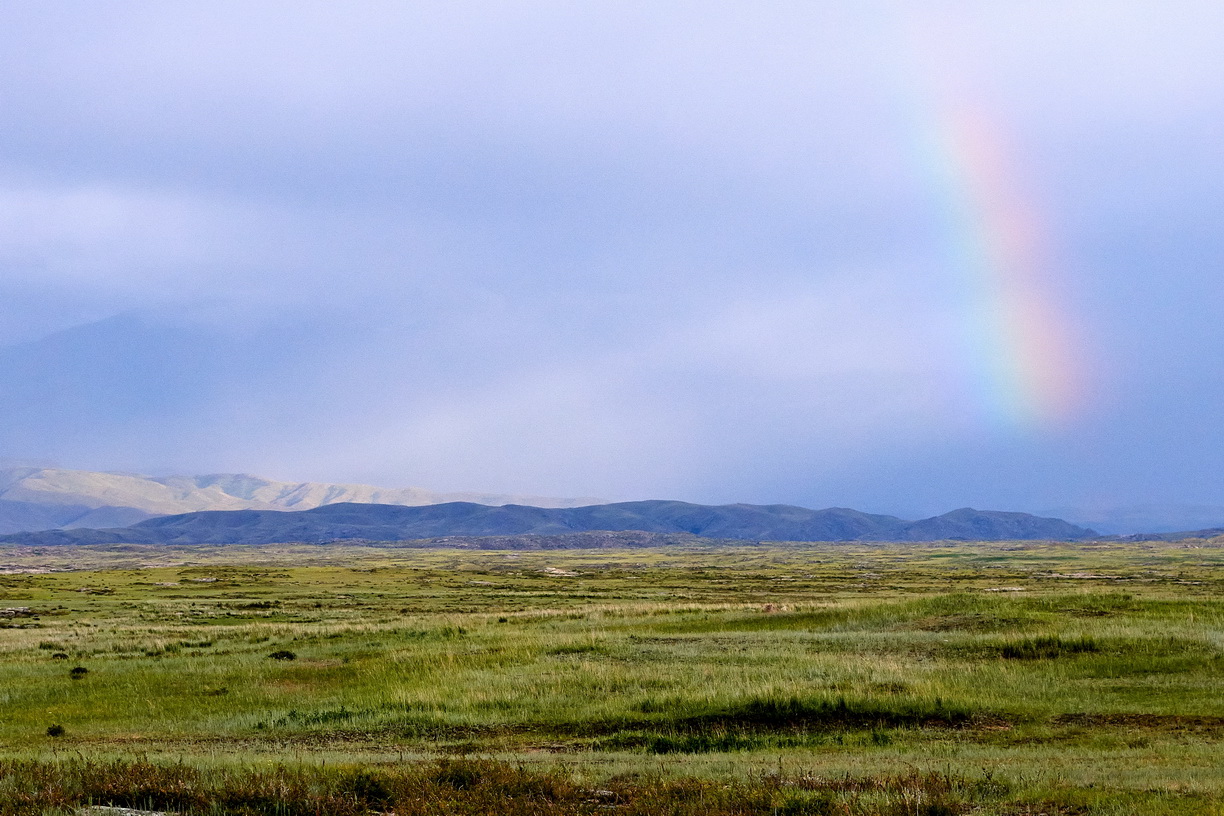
(808, 678)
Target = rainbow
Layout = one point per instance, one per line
(1019, 344)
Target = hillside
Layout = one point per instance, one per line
(45, 498)
(380, 522)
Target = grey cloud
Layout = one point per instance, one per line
(620, 250)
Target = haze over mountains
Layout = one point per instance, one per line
(33, 498)
(1145, 518)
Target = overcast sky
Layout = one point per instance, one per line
(897, 256)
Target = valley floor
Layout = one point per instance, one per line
(809, 678)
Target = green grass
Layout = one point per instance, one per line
(1026, 677)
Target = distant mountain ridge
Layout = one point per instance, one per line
(380, 522)
(36, 498)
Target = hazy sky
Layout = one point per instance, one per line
(898, 256)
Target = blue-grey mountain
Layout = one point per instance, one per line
(378, 522)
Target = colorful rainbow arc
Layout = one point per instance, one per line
(1019, 340)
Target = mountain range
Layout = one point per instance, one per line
(111, 507)
(38, 498)
(382, 522)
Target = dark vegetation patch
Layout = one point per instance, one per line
(468, 786)
(252, 605)
(667, 726)
(439, 633)
(1162, 722)
(1115, 656)
(768, 723)
(327, 716)
(195, 644)
(575, 649)
(1047, 648)
(795, 713)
